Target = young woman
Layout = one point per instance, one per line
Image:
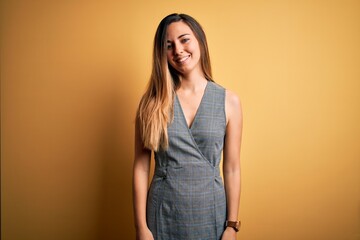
(187, 120)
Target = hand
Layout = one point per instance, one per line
(229, 234)
(144, 234)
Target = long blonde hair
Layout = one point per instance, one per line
(155, 110)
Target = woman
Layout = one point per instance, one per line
(187, 120)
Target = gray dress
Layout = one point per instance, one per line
(186, 198)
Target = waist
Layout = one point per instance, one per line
(187, 171)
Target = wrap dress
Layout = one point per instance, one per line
(186, 199)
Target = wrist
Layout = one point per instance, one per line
(235, 225)
(230, 230)
(140, 226)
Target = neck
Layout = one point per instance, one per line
(193, 81)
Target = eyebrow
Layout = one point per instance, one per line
(182, 35)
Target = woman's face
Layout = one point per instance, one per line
(183, 51)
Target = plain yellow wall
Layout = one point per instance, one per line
(72, 73)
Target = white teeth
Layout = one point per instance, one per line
(183, 59)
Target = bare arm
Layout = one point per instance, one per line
(231, 166)
(141, 171)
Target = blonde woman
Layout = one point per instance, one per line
(187, 120)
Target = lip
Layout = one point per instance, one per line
(182, 60)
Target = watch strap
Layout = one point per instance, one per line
(233, 224)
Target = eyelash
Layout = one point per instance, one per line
(184, 40)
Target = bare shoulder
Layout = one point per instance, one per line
(232, 105)
(232, 99)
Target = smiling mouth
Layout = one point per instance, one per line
(182, 60)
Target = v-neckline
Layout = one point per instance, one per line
(197, 110)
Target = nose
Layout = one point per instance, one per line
(178, 49)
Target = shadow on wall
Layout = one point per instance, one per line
(116, 158)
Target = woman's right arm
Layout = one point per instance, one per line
(141, 171)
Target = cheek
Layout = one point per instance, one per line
(194, 48)
(169, 57)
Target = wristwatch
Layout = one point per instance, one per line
(234, 224)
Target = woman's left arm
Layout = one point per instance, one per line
(231, 159)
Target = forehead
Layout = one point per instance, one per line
(177, 29)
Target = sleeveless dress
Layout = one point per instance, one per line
(186, 198)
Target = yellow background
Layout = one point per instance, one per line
(72, 73)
